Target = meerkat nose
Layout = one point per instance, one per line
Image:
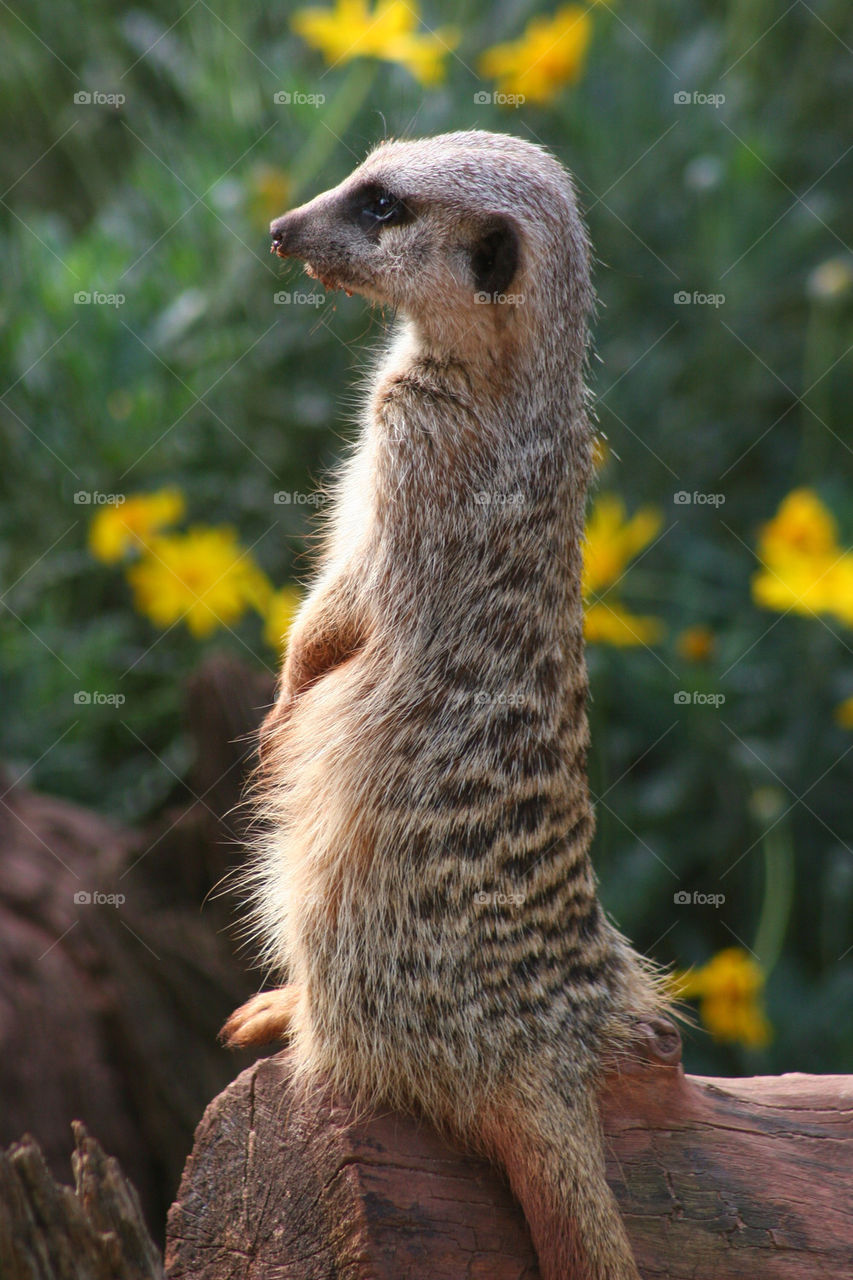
(278, 234)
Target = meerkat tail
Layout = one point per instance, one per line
(556, 1172)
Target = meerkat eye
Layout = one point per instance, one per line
(382, 209)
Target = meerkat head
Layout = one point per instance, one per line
(468, 234)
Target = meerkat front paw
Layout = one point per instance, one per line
(267, 1016)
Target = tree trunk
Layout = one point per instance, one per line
(49, 1232)
(113, 980)
(722, 1178)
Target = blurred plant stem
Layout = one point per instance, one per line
(334, 120)
(778, 878)
(747, 24)
(815, 453)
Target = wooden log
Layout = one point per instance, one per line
(113, 980)
(732, 1179)
(51, 1232)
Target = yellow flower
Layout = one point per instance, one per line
(350, 30)
(805, 568)
(729, 989)
(696, 644)
(611, 624)
(115, 530)
(549, 54)
(801, 526)
(202, 576)
(612, 541)
(807, 586)
(280, 613)
(844, 713)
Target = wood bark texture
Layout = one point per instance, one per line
(748, 1179)
(94, 1231)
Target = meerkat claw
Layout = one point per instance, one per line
(266, 1017)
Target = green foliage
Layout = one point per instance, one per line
(200, 379)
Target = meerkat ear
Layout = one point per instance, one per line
(494, 256)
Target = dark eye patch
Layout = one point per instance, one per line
(375, 208)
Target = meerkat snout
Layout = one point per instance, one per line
(347, 238)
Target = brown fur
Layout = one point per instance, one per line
(425, 881)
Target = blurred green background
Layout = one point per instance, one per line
(199, 379)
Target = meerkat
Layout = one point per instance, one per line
(424, 882)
